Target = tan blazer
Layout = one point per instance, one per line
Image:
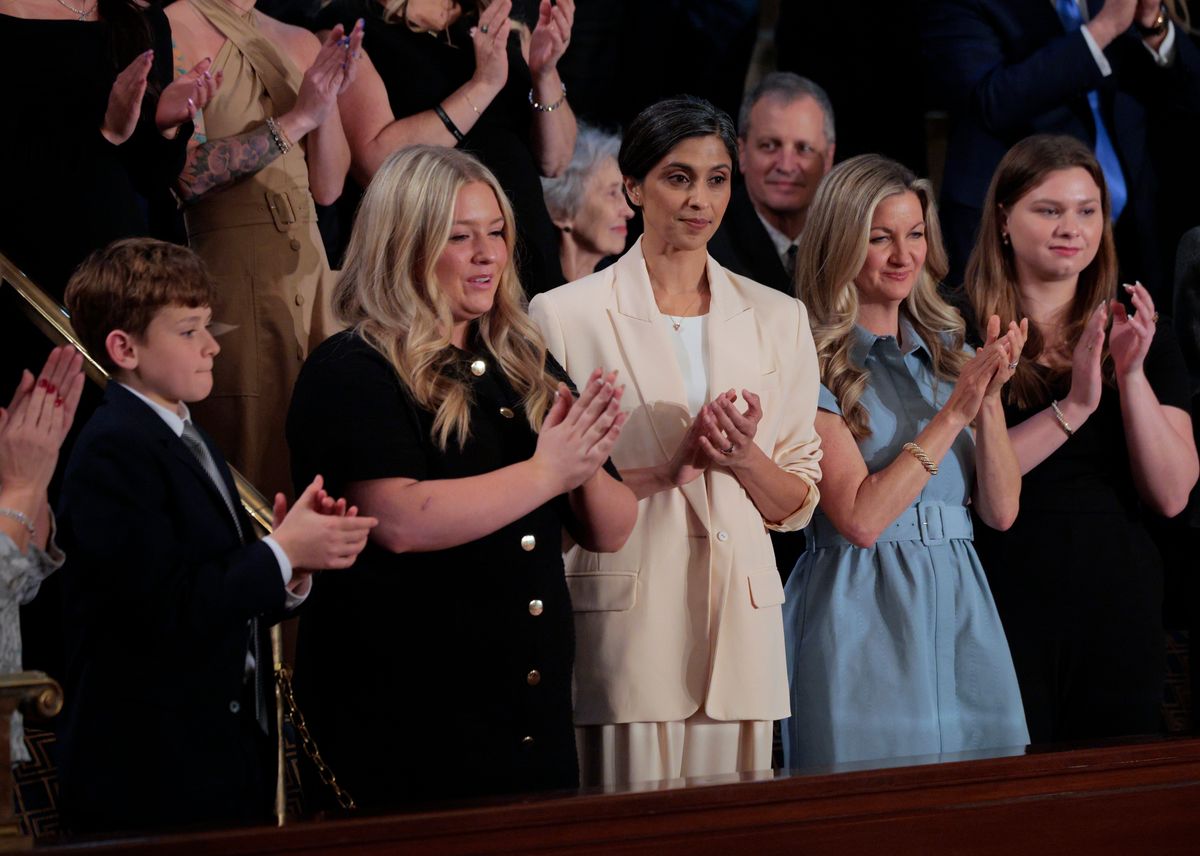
(687, 613)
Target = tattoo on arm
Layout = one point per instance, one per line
(217, 163)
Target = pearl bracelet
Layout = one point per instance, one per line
(1062, 420)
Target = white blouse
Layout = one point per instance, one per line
(690, 344)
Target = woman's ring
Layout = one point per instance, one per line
(1012, 366)
(483, 29)
(728, 451)
(1154, 318)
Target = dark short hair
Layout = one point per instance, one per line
(662, 126)
(124, 285)
(787, 86)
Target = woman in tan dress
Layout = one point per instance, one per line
(263, 150)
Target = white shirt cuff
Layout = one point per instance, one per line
(1097, 54)
(1165, 55)
(285, 564)
(291, 599)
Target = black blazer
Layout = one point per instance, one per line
(742, 244)
(1006, 69)
(159, 725)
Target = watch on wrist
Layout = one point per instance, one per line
(1158, 27)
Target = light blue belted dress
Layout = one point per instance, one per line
(897, 649)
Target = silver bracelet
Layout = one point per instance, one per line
(22, 518)
(547, 108)
(280, 138)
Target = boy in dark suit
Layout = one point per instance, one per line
(168, 595)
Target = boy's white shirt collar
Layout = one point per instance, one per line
(173, 419)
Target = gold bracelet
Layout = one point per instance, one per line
(1062, 420)
(470, 103)
(920, 454)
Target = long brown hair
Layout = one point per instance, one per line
(991, 278)
(832, 251)
(388, 290)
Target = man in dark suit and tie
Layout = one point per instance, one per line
(170, 717)
(1108, 72)
(785, 147)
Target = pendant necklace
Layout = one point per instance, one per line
(82, 13)
(676, 323)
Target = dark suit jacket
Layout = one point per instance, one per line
(742, 245)
(159, 725)
(1006, 69)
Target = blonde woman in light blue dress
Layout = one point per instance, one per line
(894, 645)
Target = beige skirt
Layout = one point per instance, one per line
(641, 752)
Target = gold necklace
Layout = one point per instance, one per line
(678, 322)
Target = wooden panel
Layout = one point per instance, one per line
(1142, 798)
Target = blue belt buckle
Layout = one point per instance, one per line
(929, 518)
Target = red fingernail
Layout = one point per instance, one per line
(42, 383)
(50, 388)
(58, 402)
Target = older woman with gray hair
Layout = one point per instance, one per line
(587, 203)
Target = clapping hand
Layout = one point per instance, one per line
(728, 433)
(125, 100)
(974, 381)
(1011, 345)
(578, 435)
(1087, 379)
(186, 95)
(1130, 337)
(550, 36)
(330, 74)
(36, 421)
(490, 40)
(320, 533)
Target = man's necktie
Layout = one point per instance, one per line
(790, 264)
(195, 443)
(1106, 154)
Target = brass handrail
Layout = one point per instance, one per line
(53, 320)
(36, 691)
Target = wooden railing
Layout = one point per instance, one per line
(1129, 799)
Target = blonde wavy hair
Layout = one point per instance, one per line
(991, 277)
(832, 251)
(389, 294)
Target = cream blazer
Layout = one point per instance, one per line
(687, 613)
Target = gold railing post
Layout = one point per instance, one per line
(34, 692)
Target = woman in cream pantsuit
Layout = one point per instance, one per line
(680, 665)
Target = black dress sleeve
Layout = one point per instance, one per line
(352, 420)
(1167, 371)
